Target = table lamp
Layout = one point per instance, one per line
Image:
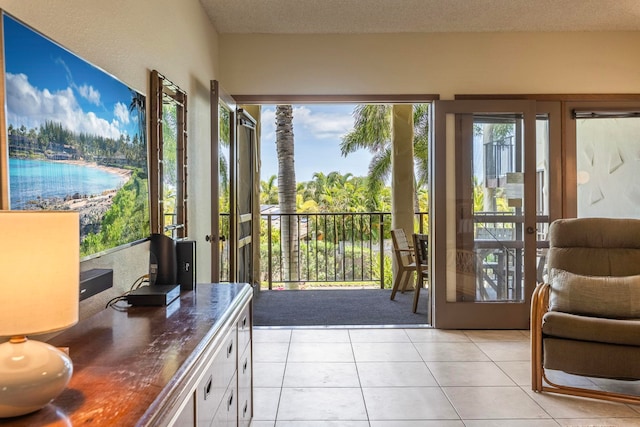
(39, 279)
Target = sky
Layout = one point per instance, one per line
(317, 130)
(47, 82)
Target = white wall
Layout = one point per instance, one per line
(440, 63)
(128, 39)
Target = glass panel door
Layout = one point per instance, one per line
(548, 178)
(485, 213)
(222, 140)
(243, 158)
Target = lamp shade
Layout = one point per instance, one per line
(39, 271)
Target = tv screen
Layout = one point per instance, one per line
(76, 140)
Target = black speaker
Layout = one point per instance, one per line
(163, 263)
(186, 254)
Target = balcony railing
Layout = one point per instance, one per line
(340, 248)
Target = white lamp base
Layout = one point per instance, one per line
(32, 374)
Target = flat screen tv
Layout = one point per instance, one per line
(74, 138)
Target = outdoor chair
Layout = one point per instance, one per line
(586, 320)
(421, 255)
(404, 256)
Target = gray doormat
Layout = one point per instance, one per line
(337, 308)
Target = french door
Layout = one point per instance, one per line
(233, 163)
(484, 213)
(243, 163)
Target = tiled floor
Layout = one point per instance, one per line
(410, 378)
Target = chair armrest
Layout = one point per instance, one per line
(405, 250)
(540, 302)
(539, 306)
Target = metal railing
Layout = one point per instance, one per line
(325, 248)
(499, 247)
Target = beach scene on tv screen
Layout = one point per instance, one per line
(76, 140)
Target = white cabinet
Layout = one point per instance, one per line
(245, 398)
(223, 394)
(217, 379)
(245, 368)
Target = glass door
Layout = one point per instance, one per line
(484, 168)
(243, 164)
(222, 136)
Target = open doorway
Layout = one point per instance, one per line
(333, 167)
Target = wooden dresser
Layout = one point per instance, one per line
(186, 364)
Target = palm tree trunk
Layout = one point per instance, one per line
(287, 193)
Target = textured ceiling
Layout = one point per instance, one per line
(402, 16)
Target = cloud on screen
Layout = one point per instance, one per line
(32, 107)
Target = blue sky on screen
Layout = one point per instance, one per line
(318, 130)
(46, 82)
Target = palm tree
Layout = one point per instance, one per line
(372, 131)
(287, 192)
(269, 191)
(223, 137)
(137, 106)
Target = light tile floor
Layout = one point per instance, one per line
(410, 378)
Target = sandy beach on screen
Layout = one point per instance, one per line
(92, 207)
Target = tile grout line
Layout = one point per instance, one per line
(284, 373)
(355, 363)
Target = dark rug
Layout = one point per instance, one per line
(337, 308)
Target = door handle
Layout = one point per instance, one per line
(209, 238)
(531, 230)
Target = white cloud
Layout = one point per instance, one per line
(322, 125)
(30, 106)
(318, 125)
(268, 124)
(90, 94)
(121, 112)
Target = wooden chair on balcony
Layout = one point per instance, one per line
(405, 259)
(403, 254)
(421, 255)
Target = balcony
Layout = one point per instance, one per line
(343, 249)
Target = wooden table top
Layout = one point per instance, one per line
(127, 364)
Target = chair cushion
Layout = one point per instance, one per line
(594, 329)
(595, 246)
(599, 296)
(592, 359)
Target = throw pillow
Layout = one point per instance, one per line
(599, 296)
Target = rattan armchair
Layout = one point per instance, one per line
(586, 320)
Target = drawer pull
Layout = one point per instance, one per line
(207, 387)
(230, 349)
(244, 410)
(244, 321)
(244, 366)
(230, 402)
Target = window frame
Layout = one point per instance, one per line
(163, 90)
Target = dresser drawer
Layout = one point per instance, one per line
(245, 398)
(244, 328)
(227, 413)
(216, 379)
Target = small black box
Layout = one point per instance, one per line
(154, 295)
(95, 281)
(186, 255)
